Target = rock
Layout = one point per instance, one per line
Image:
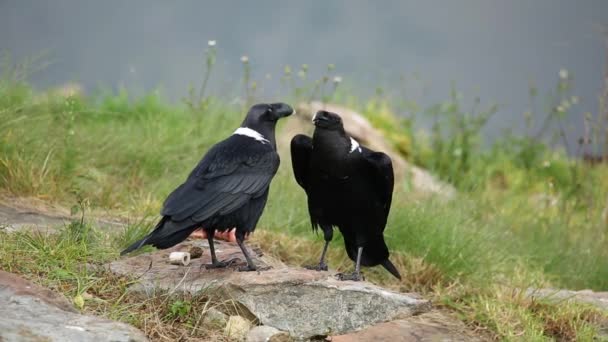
(598, 299)
(265, 333)
(29, 312)
(237, 327)
(17, 214)
(196, 252)
(215, 318)
(280, 297)
(360, 128)
(16, 219)
(403, 330)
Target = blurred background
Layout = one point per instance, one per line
(494, 50)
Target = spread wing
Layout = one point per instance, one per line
(380, 171)
(301, 148)
(230, 174)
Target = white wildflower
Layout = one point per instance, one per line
(563, 74)
(244, 59)
(211, 43)
(337, 79)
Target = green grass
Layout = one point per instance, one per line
(71, 262)
(524, 216)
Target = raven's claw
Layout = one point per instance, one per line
(317, 267)
(220, 264)
(355, 276)
(247, 268)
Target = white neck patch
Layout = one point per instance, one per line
(248, 132)
(354, 145)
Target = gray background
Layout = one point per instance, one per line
(490, 49)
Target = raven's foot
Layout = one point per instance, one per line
(220, 264)
(355, 276)
(248, 268)
(318, 267)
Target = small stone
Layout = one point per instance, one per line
(237, 327)
(215, 318)
(196, 252)
(179, 258)
(281, 337)
(264, 333)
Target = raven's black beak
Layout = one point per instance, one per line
(320, 116)
(282, 110)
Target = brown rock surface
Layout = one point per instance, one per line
(22, 287)
(403, 330)
(29, 312)
(302, 302)
(13, 218)
(20, 214)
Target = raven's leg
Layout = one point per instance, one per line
(356, 276)
(250, 265)
(214, 262)
(328, 233)
(240, 240)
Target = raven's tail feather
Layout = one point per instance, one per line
(136, 245)
(166, 234)
(388, 265)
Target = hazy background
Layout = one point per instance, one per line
(492, 49)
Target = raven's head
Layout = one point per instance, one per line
(263, 113)
(327, 120)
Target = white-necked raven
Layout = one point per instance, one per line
(348, 186)
(228, 188)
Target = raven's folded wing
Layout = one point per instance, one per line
(229, 175)
(380, 171)
(301, 148)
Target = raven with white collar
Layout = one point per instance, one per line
(227, 189)
(348, 186)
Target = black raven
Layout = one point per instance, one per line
(348, 186)
(228, 188)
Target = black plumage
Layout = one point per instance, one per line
(348, 186)
(227, 189)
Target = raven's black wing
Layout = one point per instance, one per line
(230, 174)
(301, 148)
(380, 171)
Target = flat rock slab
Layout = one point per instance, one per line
(405, 331)
(16, 219)
(302, 302)
(598, 299)
(29, 312)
